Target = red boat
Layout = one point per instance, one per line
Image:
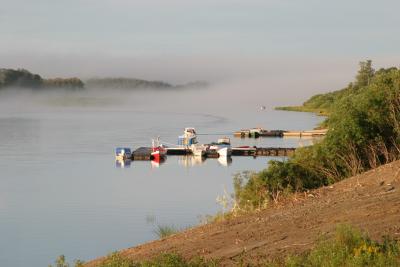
(158, 151)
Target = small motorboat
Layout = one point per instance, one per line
(188, 138)
(158, 151)
(223, 147)
(123, 153)
(224, 152)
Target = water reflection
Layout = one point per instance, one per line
(190, 161)
(123, 163)
(185, 161)
(225, 161)
(157, 164)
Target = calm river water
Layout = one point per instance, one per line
(60, 189)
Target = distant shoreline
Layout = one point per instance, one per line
(318, 111)
(22, 78)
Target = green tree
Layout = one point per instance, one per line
(365, 73)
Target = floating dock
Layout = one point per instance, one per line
(255, 133)
(144, 153)
(263, 151)
(259, 132)
(312, 133)
(178, 151)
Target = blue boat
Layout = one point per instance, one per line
(123, 153)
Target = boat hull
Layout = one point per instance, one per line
(225, 152)
(157, 156)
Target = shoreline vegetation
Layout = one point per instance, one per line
(349, 246)
(322, 104)
(318, 111)
(21, 78)
(364, 133)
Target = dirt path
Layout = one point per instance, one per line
(370, 201)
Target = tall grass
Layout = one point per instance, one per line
(163, 260)
(163, 231)
(350, 247)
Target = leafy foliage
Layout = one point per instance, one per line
(349, 247)
(62, 262)
(163, 260)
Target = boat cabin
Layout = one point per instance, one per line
(188, 138)
(224, 141)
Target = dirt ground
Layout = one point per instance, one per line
(370, 201)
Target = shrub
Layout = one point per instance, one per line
(163, 231)
(163, 260)
(349, 247)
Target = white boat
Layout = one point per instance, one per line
(188, 138)
(123, 153)
(224, 152)
(223, 147)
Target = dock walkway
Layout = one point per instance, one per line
(144, 153)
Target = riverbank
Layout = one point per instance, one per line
(318, 111)
(370, 201)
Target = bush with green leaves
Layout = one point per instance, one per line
(163, 260)
(350, 247)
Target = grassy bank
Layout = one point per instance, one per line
(348, 247)
(318, 111)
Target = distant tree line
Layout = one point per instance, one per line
(19, 78)
(68, 83)
(132, 83)
(126, 83)
(22, 78)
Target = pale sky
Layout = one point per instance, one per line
(183, 40)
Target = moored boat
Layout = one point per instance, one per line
(123, 153)
(188, 138)
(223, 147)
(224, 152)
(158, 151)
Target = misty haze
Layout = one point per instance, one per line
(214, 127)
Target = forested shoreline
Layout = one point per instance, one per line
(22, 78)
